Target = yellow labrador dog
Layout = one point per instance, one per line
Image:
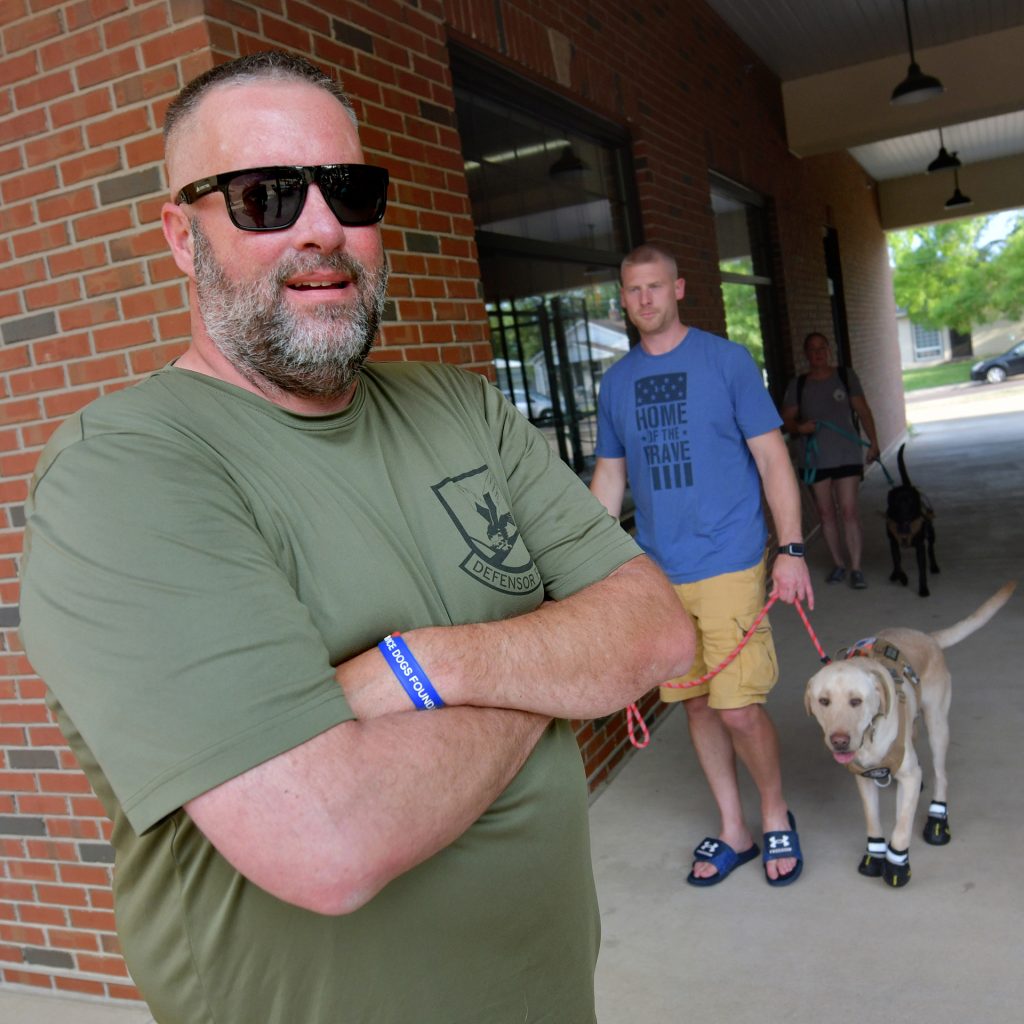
(866, 702)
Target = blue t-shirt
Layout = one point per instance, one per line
(681, 420)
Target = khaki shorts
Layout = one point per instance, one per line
(722, 609)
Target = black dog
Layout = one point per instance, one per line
(908, 522)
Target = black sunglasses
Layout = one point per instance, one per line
(271, 198)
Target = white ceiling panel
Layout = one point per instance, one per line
(988, 139)
(800, 38)
(796, 38)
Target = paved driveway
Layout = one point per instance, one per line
(958, 401)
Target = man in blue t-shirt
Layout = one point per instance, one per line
(685, 417)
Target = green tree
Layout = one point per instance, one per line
(947, 275)
(1008, 274)
(742, 317)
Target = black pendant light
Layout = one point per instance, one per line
(568, 164)
(917, 86)
(944, 161)
(957, 198)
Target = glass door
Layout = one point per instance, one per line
(550, 353)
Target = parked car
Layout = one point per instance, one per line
(539, 405)
(998, 368)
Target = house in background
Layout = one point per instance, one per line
(924, 346)
(591, 347)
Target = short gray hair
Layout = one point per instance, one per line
(267, 64)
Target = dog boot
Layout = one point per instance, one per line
(896, 869)
(872, 861)
(936, 828)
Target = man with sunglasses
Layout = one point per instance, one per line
(314, 627)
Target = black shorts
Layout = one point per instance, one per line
(838, 472)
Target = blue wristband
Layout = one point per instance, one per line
(409, 673)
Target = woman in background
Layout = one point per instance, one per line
(826, 409)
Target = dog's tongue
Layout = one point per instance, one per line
(845, 758)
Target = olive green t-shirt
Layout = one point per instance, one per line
(197, 560)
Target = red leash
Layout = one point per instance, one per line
(636, 720)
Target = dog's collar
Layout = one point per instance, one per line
(900, 671)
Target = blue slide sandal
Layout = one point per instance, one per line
(723, 857)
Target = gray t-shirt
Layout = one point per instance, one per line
(827, 401)
(197, 561)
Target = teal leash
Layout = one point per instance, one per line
(810, 471)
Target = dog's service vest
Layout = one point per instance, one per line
(900, 671)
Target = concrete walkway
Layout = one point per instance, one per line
(947, 949)
(22, 1006)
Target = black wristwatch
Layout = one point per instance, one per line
(796, 550)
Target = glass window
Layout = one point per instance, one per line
(551, 351)
(532, 180)
(927, 343)
(741, 233)
(550, 188)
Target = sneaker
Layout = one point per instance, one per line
(837, 575)
(857, 580)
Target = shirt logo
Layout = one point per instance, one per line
(661, 419)
(497, 556)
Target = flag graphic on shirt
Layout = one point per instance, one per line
(661, 419)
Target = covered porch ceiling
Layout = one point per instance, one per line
(839, 61)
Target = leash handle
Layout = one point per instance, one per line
(633, 716)
(635, 720)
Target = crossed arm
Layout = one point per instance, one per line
(349, 804)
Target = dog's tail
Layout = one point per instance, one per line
(977, 619)
(903, 469)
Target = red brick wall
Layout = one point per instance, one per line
(90, 300)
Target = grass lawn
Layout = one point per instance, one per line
(956, 372)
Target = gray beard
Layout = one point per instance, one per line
(316, 354)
